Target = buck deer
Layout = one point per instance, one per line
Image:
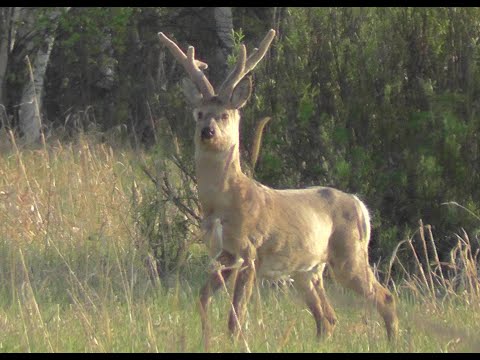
(271, 233)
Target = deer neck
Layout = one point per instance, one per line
(219, 176)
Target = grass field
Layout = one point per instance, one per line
(73, 277)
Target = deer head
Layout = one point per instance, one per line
(217, 113)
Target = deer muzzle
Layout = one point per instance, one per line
(207, 133)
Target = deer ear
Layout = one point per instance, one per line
(191, 92)
(241, 93)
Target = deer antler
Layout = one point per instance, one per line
(192, 66)
(243, 67)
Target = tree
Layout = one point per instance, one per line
(7, 38)
(26, 33)
(30, 109)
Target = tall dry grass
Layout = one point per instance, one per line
(454, 279)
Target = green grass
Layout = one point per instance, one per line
(73, 276)
(89, 317)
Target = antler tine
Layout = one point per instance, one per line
(259, 53)
(193, 67)
(241, 70)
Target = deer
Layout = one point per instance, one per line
(263, 233)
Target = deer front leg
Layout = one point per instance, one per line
(241, 296)
(213, 283)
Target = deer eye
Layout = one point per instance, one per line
(224, 116)
(199, 115)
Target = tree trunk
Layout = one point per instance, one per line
(6, 17)
(209, 30)
(31, 100)
(224, 28)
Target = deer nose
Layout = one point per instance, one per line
(208, 132)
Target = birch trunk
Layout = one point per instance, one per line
(31, 102)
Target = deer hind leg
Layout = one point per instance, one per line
(325, 303)
(307, 284)
(241, 296)
(352, 271)
(213, 283)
